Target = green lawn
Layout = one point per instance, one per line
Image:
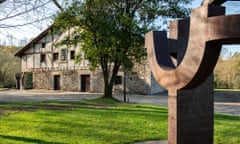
(95, 122)
(3, 89)
(227, 90)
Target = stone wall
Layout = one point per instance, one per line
(97, 82)
(136, 84)
(42, 80)
(139, 81)
(70, 81)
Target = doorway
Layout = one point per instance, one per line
(56, 80)
(28, 80)
(85, 83)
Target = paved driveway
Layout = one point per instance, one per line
(43, 95)
(224, 102)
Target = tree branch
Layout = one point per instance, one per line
(1, 1)
(21, 13)
(58, 5)
(11, 26)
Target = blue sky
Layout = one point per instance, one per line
(196, 3)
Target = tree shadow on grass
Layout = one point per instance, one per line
(27, 140)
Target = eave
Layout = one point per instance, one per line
(32, 42)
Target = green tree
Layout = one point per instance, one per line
(227, 73)
(9, 66)
(111, 33)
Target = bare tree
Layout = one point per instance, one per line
(18, 16)
(25, 12)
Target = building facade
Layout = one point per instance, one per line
(45, 66)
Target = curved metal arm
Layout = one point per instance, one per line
(204, 42)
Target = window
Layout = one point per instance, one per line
(118, 80)
(43, 45)
(55, 56)
(63, 54)
(72, 55)
(43, 58)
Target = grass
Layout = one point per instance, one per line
(1, 89)
(226, 129)
(97, 121)
(227, 90)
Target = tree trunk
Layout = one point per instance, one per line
(108, 88)
(108, 85)
(109, 79)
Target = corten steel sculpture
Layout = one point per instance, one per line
(184, 63)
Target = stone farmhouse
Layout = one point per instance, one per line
(44, 66)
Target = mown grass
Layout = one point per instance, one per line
(226, 129)
(227, 90)
(97, 121)
(1, 89)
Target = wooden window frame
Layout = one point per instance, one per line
(72, 54)
(63, 55)
(43, 58)
(43, 45)
(55, 56)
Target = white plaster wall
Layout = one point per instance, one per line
(63, 65)
(56, 64)
(49, 60)
(30, 61)
(43, 65)
(37, 60)
(48, 47)
(24, 63)
(48, 38)
(37, 48)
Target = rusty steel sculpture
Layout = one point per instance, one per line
(183, 64)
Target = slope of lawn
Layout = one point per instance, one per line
(98, 121)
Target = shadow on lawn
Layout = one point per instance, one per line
(27, 140)
(133, 109)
